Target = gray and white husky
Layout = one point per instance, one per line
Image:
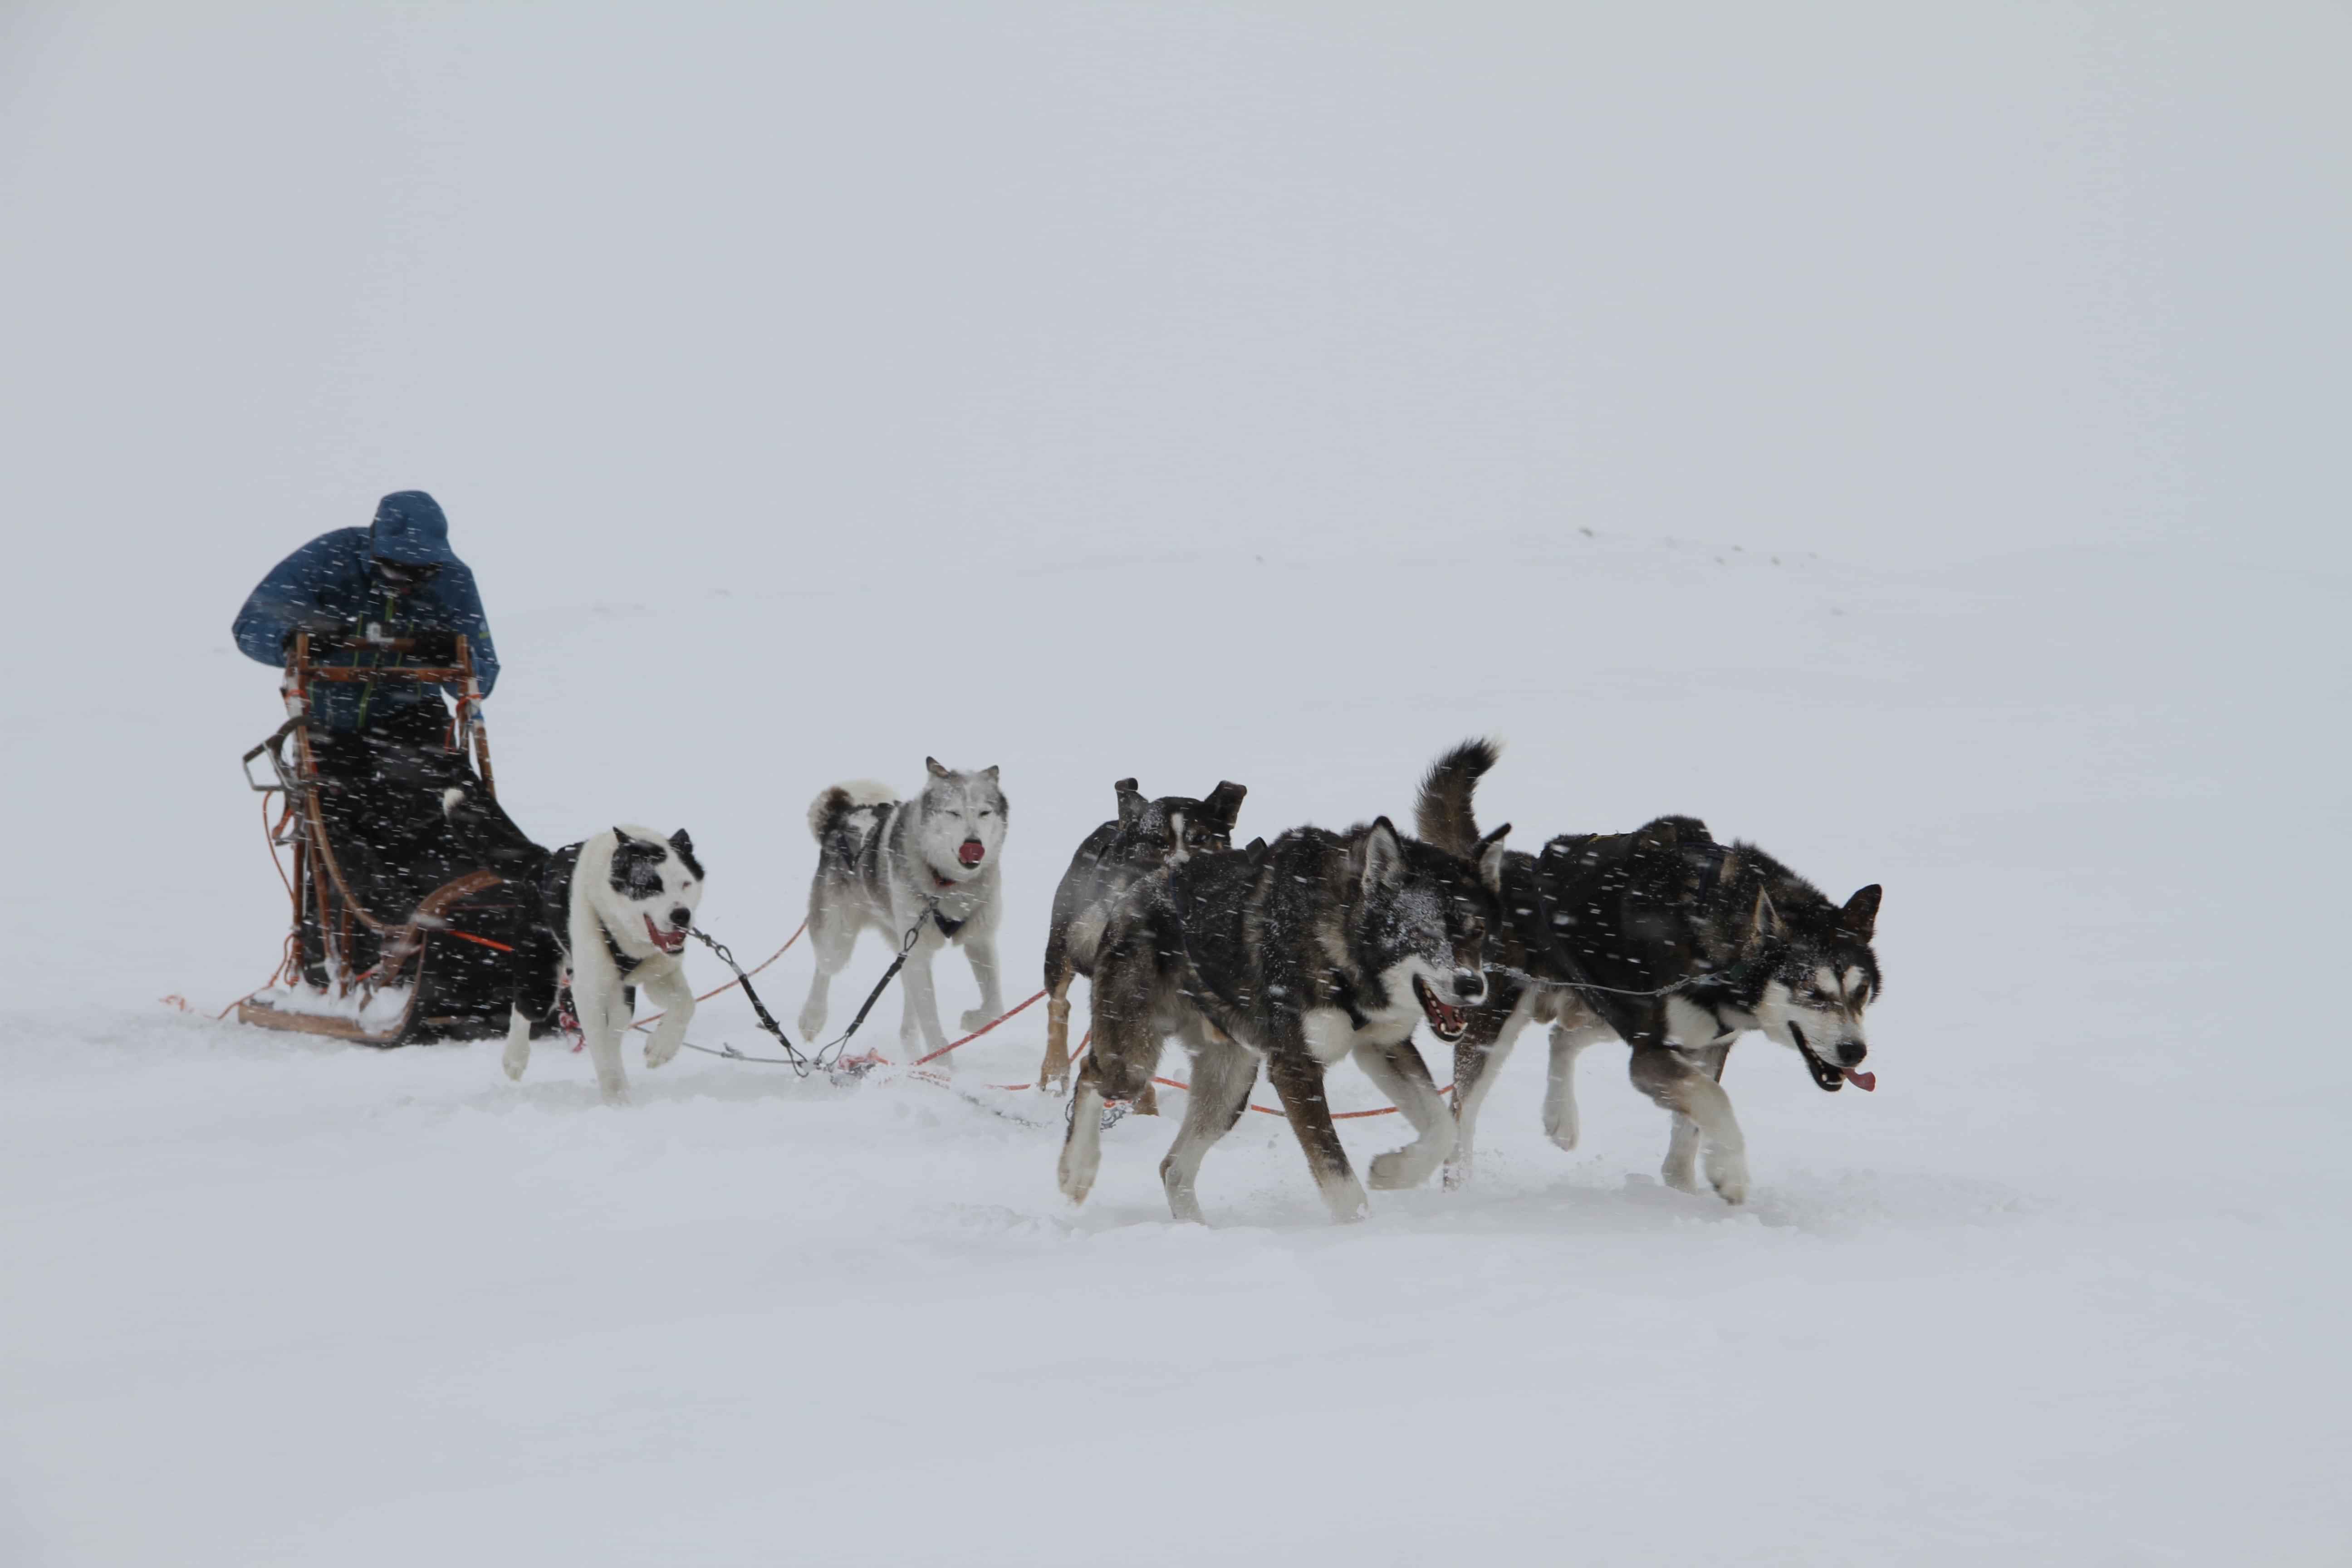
(1317, 947)
(1145, 837)
(614, 912)
(887, 864)
(1671, 942)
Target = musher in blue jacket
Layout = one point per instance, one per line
(379, 745)
(397, 575)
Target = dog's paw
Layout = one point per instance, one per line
(1561, 1127)
(1395, 1170)
(1074, 1173)
(517, 1057)
(811, 1022)
(1348, 1204)
(1458, 1174)
(1681, 1176)
(1727, 1174)
(975, 1018)
(658, 1052)
(1183, 1203)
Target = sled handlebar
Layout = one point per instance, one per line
(448, 675)
(348, 641)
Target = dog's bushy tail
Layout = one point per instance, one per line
(1443, 813)
(488, 836)
(838, 801)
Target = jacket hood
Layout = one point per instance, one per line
(409, 528)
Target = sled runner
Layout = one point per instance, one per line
(395, 938)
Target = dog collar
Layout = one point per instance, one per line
(1765, 958)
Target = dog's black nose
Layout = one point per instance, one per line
(1850, 1052)
(1469, 986)
(681, 917)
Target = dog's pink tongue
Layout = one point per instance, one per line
(971, 850)
(1865, 1082)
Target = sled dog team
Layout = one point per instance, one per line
(1294, 954)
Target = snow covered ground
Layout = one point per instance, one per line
(1978, 542)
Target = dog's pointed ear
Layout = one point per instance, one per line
(684, 845)
(1256, 850)
(1859, 919)
(989, 773)
(1383, 856)
(1489, 858)
(621, 836)
(933, 763)
(1225, 803)
(1130, 802)
(1765, 923)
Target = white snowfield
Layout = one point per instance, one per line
(1908, 440)
(2068, 1287)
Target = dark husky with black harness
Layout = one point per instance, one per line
(1319, 946)
(1145, 837)
(1674, 943)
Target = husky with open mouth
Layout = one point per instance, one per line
(889, 864)
(1314, 948)
(1671, 942)
(614, 912)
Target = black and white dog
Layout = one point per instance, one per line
(1671, 942)
(1145, 837)
(614, 912)
(887, 864)
(1319, 947)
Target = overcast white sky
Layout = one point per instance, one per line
(1895, 281)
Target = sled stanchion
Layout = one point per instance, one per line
(469, 719)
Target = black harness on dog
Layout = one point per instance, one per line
(1580, 865)
(621, 961)
(555, 894)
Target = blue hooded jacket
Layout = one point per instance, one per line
(328, 583)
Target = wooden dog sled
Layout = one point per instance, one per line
(440, 970)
